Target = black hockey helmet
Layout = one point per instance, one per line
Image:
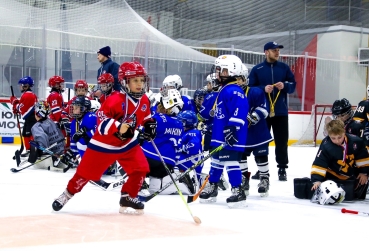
(84, 104)
(341, 108)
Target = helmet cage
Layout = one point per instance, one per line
(42, 109)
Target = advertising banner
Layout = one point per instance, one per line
(8, 121)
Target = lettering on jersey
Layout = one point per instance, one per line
(239, 94)
(192, 134)
(318, 155)
(123, 106)
(218, 113)
(143, 108)
(173, 131)
(163, 118)
(101, 115)
(55, 102)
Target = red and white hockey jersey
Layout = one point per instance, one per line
(117, 109)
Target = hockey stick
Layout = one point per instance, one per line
(195, 218)
(147, 198)
(107, 186)
(15, 170)
(189, 158)
(192, 198)
(18, 152)
(46, 150)
(344, 210)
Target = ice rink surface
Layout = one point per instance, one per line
(90, 220)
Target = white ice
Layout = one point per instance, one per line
(277, 222)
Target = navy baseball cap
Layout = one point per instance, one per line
(272, 45)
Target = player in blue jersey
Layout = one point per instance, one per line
(229, 128)
(82, 127)
(258, 136)
(190, 147)
(168, 134)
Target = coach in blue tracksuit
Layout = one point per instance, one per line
(276, 79)
(108, 65)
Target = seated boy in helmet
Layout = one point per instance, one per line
(342, 158)
(45, 134)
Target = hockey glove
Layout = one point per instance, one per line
(79, 134)
(14, 101)
(65, 124)
(149, 129)
(68, 157)
(253, 118)
(230, 135)
(127, 135)
(15, 104)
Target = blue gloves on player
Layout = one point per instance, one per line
(230, 135)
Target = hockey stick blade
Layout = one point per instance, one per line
(114, 185)
(192, 198)
(15, 170)
(147, 198)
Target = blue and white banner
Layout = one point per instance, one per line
(8, 121)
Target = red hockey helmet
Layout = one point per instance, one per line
(81, 84)
(105, 82)
(55, 80)
(129, 70)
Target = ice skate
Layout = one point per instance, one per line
(238, 198)
(210, 194)
(246, 183)
(263, 187)
(223, 184)
(256, 176)
(61, 200)
(282, 175)
(188, 183)
(129, 205)
(25, 154)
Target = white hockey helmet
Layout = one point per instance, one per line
(232, 63)
(245, 71)
(172, 101)
(172, 82)
(328, 193)
(95, 105)
(210, 78)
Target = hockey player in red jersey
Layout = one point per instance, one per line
(26, 107)
(116, 139)
(55, 99)
(106, 82)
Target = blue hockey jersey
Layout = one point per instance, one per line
(168, 133)
(257, 134)
(206, 108)
(188, 104)
(231, 110)
(89, 123)
(190, 145)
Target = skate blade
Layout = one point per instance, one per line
(210, 200)
(130, 211)
(266, 194)
(239, 204)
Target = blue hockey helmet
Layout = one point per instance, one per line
(27, 80)
(198, 96)
(188, 118)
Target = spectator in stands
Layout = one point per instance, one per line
(108, 65)
(276, 79)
